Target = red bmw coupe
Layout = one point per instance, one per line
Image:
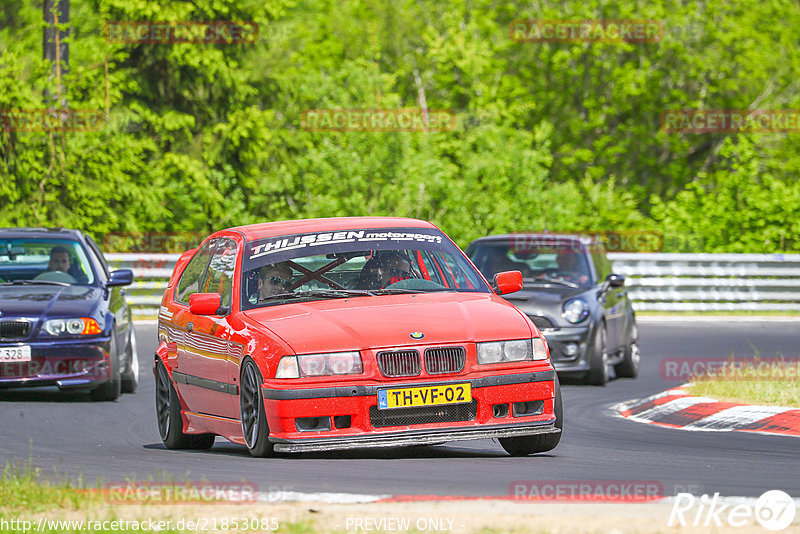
(344, 333)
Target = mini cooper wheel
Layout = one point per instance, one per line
(527, 445)
(629, 366)
(598, 359)
(130, 377)
(254, 419)
(168, 415)
(112, 388)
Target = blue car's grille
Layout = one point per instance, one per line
(14, 329)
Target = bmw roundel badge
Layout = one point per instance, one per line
(416, 335)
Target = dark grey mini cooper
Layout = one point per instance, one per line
(571, 294)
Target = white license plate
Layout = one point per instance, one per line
(21, 353)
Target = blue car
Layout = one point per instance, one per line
(63, 319)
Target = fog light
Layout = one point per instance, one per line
(500, 410)
(570, 349)
(342, 421)
(312, 424)
(528, 408)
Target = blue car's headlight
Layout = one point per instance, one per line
(575, 310)
(74, 326)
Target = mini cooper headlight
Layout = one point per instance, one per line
(575, 310)
(83, 326)
(325, 364)
(516, 350)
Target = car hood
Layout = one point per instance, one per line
(388, 321)
(48, 301)
(548, 300)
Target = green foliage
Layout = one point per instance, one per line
(559, 136)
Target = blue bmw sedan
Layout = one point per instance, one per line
(63, 319)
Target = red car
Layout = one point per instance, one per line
(344, 333)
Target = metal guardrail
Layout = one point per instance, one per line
(655, 281)
(711, 282)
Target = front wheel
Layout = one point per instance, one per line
(168, 416)
(629, 366)
(130, 377)
(598, 359)
(112, 388)
(527, 445)
(254, 418)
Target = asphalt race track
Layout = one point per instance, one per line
(113, 442)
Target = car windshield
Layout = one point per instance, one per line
(559, 262)
(364, 262)
(44, 261)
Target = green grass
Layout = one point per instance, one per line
(774, 382)
(28, 489)
(772, 392)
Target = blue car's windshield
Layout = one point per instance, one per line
(28, 260)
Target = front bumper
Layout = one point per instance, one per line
(68, 363)
(419, 437)
(491, 414)
(559, 339)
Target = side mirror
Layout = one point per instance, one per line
(507, 282)
(205, 303)
(122, 277)
(615, 280)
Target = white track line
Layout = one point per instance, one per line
(736, 417)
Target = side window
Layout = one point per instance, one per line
(194, 275)
(220, 271)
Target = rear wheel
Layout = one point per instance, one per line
(526, 445)
(598, 360)
(112, 388)
(130, 377)
(629, 366)
(168, 416)
(254, 418)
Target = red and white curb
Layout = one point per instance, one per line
(676, 408)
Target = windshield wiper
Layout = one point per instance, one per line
(329, 293)
(35, 282)
(398, 290)
(554, 281)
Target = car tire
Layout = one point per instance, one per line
(527, 445)
(251, 411)
(598, 360)
(629, 366)
(168, 416)
(130, 377)
(111, 389)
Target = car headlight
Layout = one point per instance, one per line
(325, 364)
(575, 310)
(75, 326)
(516, 350)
